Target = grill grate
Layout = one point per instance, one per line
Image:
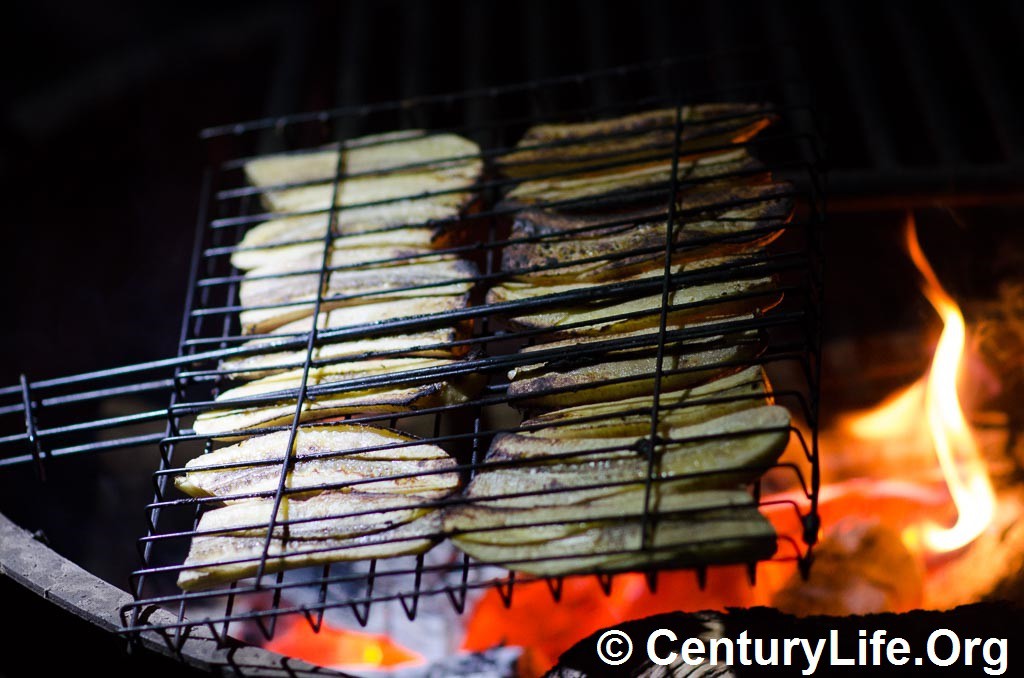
(786, 337)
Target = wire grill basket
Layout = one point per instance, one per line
(479, 377)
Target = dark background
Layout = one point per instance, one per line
(100, 158)
(919, 105)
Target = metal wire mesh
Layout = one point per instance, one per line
(487, 348)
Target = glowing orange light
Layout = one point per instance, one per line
(897, 415)
(341, 648)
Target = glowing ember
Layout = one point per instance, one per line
(930, 412)
(341, 648)
(534, 620)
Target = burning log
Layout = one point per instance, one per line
(1000, 341)
(862, 567)
(991, 568)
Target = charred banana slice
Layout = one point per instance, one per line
(572, 146)
(617, 246)
(556, 385)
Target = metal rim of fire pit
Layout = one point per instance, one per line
(54, 578)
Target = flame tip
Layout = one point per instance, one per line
(936, 396)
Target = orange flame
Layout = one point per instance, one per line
(933, 405)
(955, 446)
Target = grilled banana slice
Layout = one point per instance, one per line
(632, 416)
(476, 521)
(689, 304)
(701, 209)
(560, 385)
(214, 560)
(397, 167)
(685, 334)
(269, 302)
(372, 459)
(433, 343)
(711, 537)
(575, 189)
(769, 421)
(426, 308)
(391, 152)
(328, 515)
(572, 146)
(528, 289)
(227, 420)
(722, 452)
(400, 190)
(384, 256)
(419, 337)
(299, 237)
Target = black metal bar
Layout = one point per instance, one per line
(30, 428)
(453, 591)
(798, 101)
(499, 123)
(311, 343)
(596, 22)
(98, 446)
(655, 152)
(470, 366)
(484, 364)
(652, 449)
(91, 395)
(359, 577)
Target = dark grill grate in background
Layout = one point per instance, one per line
(917, 102)
(120, 115)
(116, 104)
(923, 106)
